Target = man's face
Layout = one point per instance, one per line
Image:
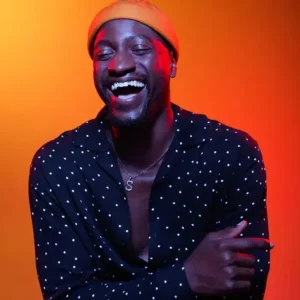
(132, 70)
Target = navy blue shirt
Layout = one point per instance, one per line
(213, 176)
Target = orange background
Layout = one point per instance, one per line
(240, 64)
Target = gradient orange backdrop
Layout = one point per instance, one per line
(240, 64)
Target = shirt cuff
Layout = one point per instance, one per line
(172, 283)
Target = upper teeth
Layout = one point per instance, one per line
(127, 83)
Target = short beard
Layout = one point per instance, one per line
(142, 120)
(147, 116)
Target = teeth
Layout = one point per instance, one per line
(134, 83)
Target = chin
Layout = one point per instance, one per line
(127, 120)
(140, 113)
(127, 117)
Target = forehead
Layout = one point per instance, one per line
(122, 28)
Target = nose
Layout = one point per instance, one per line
(121, 63)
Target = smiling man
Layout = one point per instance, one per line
(147, 200)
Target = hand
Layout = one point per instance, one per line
(217, 268)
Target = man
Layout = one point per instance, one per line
(147, 200)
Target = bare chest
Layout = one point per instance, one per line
(138, 203)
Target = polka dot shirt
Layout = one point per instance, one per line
(213, 176)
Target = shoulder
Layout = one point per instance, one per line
(59, 148)
(218, 136)
(232, 137)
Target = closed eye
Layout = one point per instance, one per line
(103, 55)
(142, 51)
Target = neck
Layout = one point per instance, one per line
(141, 146)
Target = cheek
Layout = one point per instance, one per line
(162, 57)
(96, 67)
(97, 72)
(162, 65)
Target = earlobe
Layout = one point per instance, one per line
(173, 65)
(173, 69)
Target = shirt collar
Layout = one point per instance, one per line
(191, 130)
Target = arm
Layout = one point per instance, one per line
(66, 269)
(246, 200)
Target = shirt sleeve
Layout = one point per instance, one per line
(245, 199)
(66, 269)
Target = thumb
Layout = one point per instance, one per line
(231, 232)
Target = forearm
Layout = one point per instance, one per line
(168, 283)
(246, 199)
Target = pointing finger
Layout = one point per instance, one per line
(231, 232)
(248, 244)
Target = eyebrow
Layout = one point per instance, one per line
(127, 39)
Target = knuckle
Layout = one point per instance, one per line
(229, 284)
(221, 245)
(231, 271)
(227, 257)
(228, 270)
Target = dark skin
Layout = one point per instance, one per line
(141, 127)
(137, 143)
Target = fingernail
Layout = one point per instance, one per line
(272, 245)
(240, 224)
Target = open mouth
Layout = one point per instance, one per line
(127, 88)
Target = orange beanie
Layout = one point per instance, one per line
(137, 10)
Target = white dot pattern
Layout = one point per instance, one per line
(212, 177)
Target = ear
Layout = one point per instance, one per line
(173, 65)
